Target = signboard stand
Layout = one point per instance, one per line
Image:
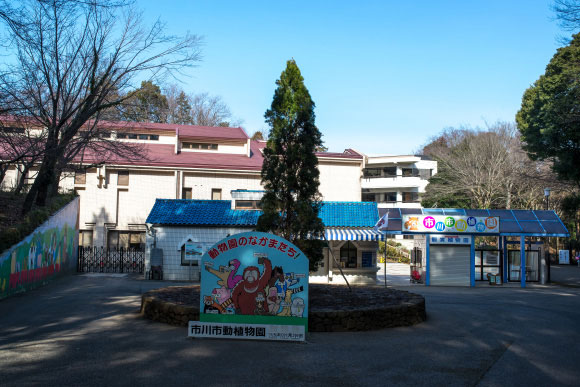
(254, 286)
(563, 257)
(192, 253)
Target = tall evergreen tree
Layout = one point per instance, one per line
(182, 114)
(549, 120)
(290, 172)
(147, 104)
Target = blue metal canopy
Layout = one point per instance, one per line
(511, 222)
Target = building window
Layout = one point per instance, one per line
(390, 171)
(13, 129)
(80, 178)
(368, 197)
(372, 172)
(186, 193)
(410, 172)
(410, 197)
(135, 136)
(86, 238)
(248, 204)
(391, 197)
(123, 178)
(348, 255)
(216, 194)
(94, 134)
(199, 145)
(408, 237)
(126, 240)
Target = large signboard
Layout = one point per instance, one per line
(253, 286)
(444, 224)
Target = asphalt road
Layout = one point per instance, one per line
(86, 331)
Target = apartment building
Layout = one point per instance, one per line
(396, 181)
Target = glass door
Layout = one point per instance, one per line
(532, 265)
(487, 262)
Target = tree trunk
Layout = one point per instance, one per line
(22, 179)
(3, 171)
(39, 189)
(53, 191)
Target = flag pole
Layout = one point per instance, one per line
(383, 225)
(385, 258)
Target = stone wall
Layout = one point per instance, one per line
(177, 306)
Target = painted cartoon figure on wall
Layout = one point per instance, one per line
(273, 283)
(36, 259)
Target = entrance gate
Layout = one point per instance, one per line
(104, 260)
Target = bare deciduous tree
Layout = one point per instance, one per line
(20, 146)
(74, 60)
(567, 14)
(487, 169)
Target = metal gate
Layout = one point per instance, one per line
(104, 260)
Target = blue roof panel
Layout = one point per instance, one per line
(503, 214)
(477, 212)
(524, 215)
(546, 215)
(219, 213)
(349, 214)
(553, 227)
(200, 212)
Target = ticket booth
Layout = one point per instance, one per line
(450, 255)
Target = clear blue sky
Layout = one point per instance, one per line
(385, 75)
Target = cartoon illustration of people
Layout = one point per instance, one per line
(233, 279)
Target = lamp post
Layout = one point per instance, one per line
(547, 196)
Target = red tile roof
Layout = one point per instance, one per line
(347, 154)
(163, 155)
(187, 131)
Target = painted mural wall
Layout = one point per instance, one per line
(49, 251)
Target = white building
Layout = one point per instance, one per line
(181, 162)
(208, 163)
(396, 181)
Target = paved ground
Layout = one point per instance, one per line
(397, 274)
(85, 330)
(566, 275)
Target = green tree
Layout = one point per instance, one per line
(182, 114)
(548, 119)
(290, 170)
(146, 104)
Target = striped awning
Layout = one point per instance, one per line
(353, 234)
